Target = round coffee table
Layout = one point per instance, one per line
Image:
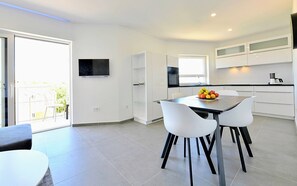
(22, 167)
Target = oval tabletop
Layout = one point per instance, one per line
(22, 167)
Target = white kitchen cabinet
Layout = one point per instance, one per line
(270, 57)
(276, 101)
(260, 52)
(242, 90)
(231, 56)
(269, 44)
(186, 91)
(171, 92)
(149, 85)
(232, 61)
(233, 50)
(172, 61)
(271, 50)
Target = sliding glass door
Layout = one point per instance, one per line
(3, 93)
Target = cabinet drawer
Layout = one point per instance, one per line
(274, 97)
(239, 88)
(171, 92)
(269, 57)
(186, 91)
(245, 93)
(274, 88)
(276, 109)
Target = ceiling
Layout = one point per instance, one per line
(173, 19)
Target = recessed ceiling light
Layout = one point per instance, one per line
(213, 14)
(230, 29)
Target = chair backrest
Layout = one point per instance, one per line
(239, 116)
(176, 95)
(227, 92)
(180, 120)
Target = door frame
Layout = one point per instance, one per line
(10, 86)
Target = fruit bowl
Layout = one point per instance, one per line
(207, 95)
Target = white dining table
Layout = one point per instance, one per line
(22, 167)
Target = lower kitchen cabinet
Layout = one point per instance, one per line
(276, 101)
(272, 101)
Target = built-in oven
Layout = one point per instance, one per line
(173, 77)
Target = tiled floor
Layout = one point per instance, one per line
(129, 154)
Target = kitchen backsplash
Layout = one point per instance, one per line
(253, 74)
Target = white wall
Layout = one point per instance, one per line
(113, 94)
(31, 23)
(294, 10)
(254, 74)
(131, 42)
(197, 48)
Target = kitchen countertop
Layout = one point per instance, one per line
(202, 85)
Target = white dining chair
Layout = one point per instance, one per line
(237, 118)
(203, 115)
(180, 120)
(229, 93)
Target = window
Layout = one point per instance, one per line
(192, 69)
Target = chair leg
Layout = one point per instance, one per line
(167, 151)
(175, 140)
(239, 149)
(185, 147)
(245, 140)
(207, 154)
(197, 144)
(190, 162)
(232, 135)
(221, 131)
(166, 145)
(247, 134)
(208, 138)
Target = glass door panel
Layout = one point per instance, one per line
(3, 57)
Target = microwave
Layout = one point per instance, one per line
(172, 77)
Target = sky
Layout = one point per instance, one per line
(41, 61)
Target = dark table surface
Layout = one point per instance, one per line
(221, 104)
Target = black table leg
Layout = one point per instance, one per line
(221, 170)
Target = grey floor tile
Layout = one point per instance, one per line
(258, 177)
(107, 176)
(129, 154)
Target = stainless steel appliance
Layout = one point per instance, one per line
(172, 76)
(274, 80)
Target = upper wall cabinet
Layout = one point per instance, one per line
(172, 61)
(269, 51)
(231, 50)
(270, 44)
(265, 51)
(231, 56)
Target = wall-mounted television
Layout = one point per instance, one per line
(294, 29)
(93, 67)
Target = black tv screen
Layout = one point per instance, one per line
(294, 29)
(93, 67)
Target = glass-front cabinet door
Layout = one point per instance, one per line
(231, 50)
(270, 44)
